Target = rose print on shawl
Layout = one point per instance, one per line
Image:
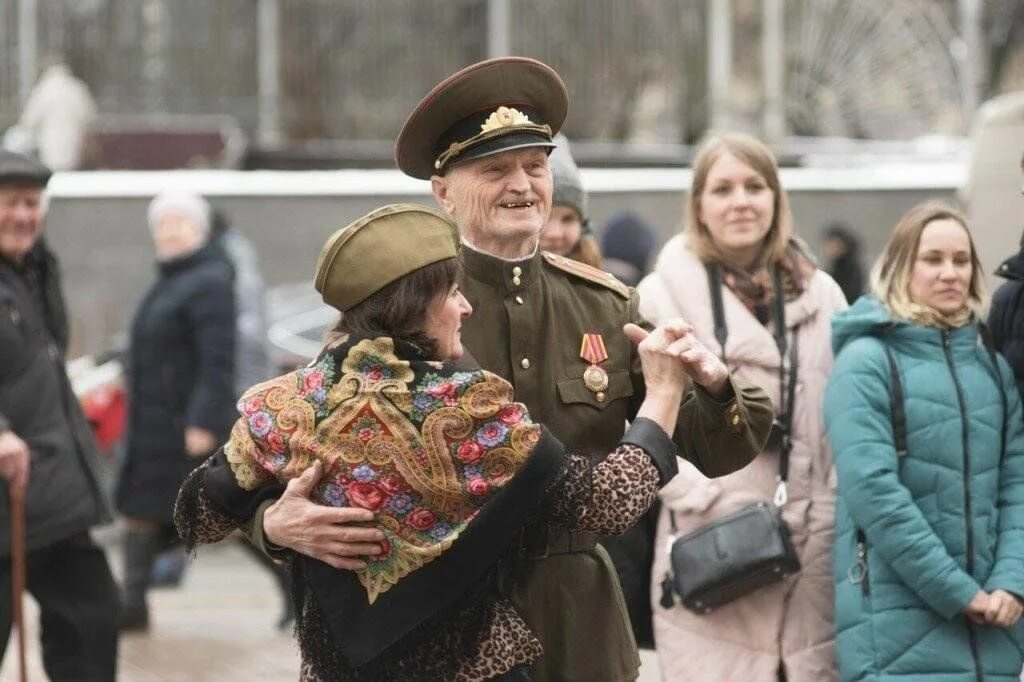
(419, 444)
(273, 439)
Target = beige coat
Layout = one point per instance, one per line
(789, 623)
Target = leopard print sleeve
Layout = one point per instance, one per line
(607, 498)
(196, 520)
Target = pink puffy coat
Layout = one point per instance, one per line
(787, 624)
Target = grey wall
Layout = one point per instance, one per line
(107, 255)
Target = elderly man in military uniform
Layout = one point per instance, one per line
(553, 328)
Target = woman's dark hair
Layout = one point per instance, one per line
(399, 310)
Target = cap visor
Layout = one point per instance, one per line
(505, 143)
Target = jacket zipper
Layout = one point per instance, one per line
(971, 634)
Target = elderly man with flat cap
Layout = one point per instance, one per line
(553, 327)
(46, 448)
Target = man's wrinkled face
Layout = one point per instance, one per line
(21, 220)
(505, 197)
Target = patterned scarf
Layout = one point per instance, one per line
(927, 316)
(754, 288)
(450, 465)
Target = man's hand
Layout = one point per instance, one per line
(318, 531)
(199, 442)
(1003, 609)
(14, 459)
(699, 363)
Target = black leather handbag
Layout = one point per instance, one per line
(751, 547)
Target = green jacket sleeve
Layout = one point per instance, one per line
(1008, 570)
(859, 423)
(717, 437)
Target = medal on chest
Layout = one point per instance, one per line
(592, 350)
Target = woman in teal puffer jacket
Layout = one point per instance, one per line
(929, 550)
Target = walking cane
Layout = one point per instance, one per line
(18, 571)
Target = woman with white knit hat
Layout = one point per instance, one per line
(181, 364)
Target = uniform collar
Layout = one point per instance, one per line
(509, 276)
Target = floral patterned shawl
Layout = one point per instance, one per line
(451, 466)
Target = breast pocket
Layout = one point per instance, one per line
(575, 391)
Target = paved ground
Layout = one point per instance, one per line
(218, 627)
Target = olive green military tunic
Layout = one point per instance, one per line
(527, 326)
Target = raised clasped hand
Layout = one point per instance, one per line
(673, 346)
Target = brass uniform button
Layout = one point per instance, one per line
(519, 300)
(600, 397)
(516, 271)
(525, 364)
(735, 420)
(734, 408)
(516, 281)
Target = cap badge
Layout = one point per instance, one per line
(592, 350)
(503, 117)
(502, 121)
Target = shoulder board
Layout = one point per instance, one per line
(584, 271)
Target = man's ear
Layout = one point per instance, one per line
(441, 186)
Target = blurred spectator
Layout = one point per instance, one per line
(45, 440)
(567, 231)
(627, 245)
(842, 260)
(252, 351)
(181, 371)
(252, 366)
(58, 117)
(1006, 317)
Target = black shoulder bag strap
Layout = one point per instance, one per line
(787, 394)
(717, 307)
(899, 413)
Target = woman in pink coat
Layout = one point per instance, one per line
(738, 223)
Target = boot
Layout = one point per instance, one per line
(169, 568)
(140, 550)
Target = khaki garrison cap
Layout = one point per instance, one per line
(380, 248)
(486, 108)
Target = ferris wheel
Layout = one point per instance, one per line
(869, 69)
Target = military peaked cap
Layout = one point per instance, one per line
(486, 108)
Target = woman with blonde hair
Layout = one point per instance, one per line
(751, 292)
(926, 430)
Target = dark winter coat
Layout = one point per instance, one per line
(37, 403)
(1006, 318)
(918, 535)
(181, 368)
(847, 273)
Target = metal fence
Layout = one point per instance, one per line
(636, 69)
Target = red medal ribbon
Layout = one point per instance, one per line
(592, 349)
